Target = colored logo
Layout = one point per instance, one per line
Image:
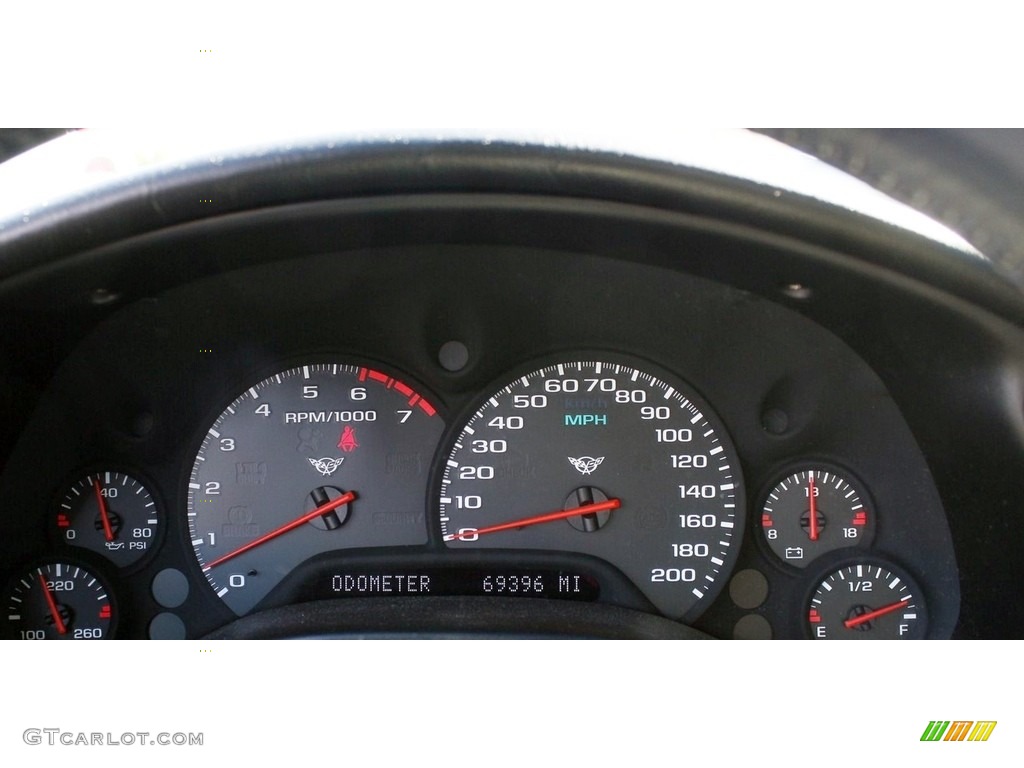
(585, 464)
(958, 730)
(326, 466)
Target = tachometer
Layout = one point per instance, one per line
(608, 458)
(312, 459)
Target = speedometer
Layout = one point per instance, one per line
(608, 458)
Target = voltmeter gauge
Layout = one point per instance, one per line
(867, 601)
(109, 513)
(813, 511)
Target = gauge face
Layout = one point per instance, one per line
(867, 601)
(59, 601)
(313, 459)
(604, 458)
(109, 513)
(814, 511)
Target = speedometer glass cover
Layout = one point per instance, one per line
(608, 457)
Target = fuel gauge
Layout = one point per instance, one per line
(813, 511)
(867, 601)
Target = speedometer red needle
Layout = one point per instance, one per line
(323, 509)
(108, 532)
(61, 627)
(858, 620)
(814, 507)
(536, 519)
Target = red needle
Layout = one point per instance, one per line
(550, 517)
(321, 510)
(108, 532)
(858, 620)
(53, 607)
(814, 506)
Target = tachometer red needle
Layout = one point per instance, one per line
(550, 517)
(814, 507)
(858, 620)
(323, 509)
(108, 532)
(61, 627)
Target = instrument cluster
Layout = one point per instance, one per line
(471, 422)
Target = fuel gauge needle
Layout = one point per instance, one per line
(52, 604)
(858, 620)
(323, 509)
(562, 514)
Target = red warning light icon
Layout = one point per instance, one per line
(348, 442)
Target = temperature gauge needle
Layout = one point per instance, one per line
(858, 620)
(108, 532)
(537, 519)
(52, 604)
(323, 509)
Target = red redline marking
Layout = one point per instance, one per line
(378, 376)
(766, 521)
(413, 400)
(362, 374)
(407, 391)
(427, 407)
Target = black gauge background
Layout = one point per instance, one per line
(181, 356)
(58, 544)
(549, 500)
(803, 465)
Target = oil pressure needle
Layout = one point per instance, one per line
(323, 509)
(536, 519)
(108, 532)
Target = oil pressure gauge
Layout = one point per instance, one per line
(815, 510)
(109, 513)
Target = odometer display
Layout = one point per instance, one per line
(603, 458)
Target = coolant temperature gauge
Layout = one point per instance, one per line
(58, 600)
(814, 511)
